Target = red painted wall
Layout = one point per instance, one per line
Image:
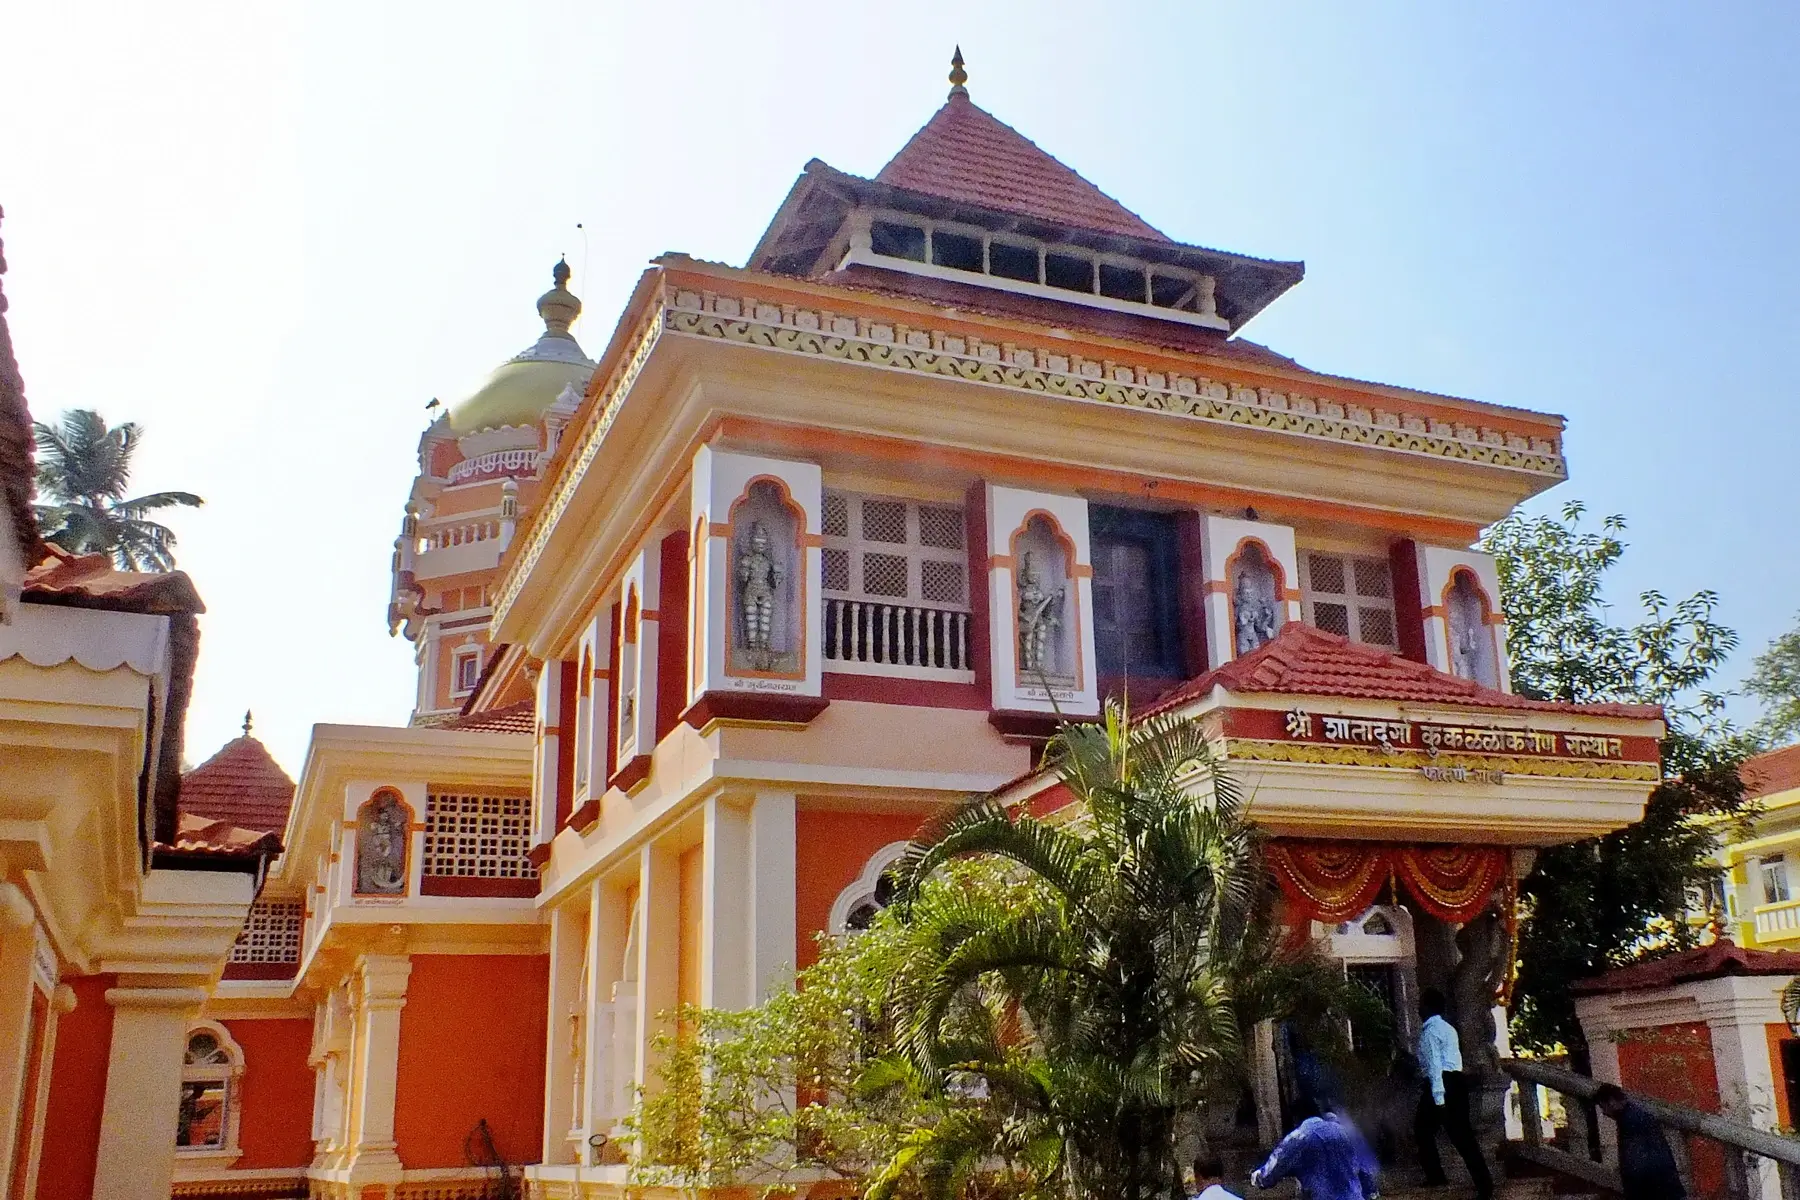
(472, 1039)
(1675, 1063)
(830, 851)
(275, 1128)
(77, 1093)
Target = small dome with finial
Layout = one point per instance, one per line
(521, 390)
(958, 77)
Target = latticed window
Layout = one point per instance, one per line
(896, 580)
(271, 933)
(1349, 595)
(476, 835)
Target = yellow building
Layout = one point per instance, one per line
(1759, 892)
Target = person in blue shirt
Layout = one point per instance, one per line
(1445, 1102)
(1329, 1158)
(1646, 1164)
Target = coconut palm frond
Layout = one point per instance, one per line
(84, 469)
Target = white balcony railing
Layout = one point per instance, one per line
(512, 462)
(1775, 922)
(871, 637)
(465, 533)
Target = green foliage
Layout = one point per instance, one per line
(1775, 680)
(1046, 1007)
(1104, 1001)
(1608, 901)
(84, 468)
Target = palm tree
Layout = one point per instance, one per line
(1106, 996)
(84, 467)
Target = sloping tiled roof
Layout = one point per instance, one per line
(200, 836)
(965, 153)
(1304, 661)
(241, 784)
(83, 577)
(17, 477)
(1716, 961)
(1767, 774)
(514, 718)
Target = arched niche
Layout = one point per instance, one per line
(869, 893)
(383, 845)
(1045, 606)
(766, 582)
(1255, 582)
(1470, 629)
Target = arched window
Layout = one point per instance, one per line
(857, 905)
(210, 1069)
(1472, 652)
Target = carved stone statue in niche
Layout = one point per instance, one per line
(759, 579)
(1040, 615)
(1255, 607)
(381, 835)
(1471, 641)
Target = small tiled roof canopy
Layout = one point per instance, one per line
(513, 718)
(242, 785)
(1716, 961)
(1304, 661)
(16, 473)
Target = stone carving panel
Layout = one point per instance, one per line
(1255, 599)
(382, 835)
(1471, 636)
(1045, 611)
(767, 578)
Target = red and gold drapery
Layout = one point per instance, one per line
(1335, 881)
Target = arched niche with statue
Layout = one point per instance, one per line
(383, 845)
(1045, 606)
(1256, 597)
(766, 579)
(1469, 624)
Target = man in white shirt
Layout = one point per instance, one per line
(1445, 1103)
(1209, 1179)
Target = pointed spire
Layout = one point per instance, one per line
(559, 306)
(246, 722)
(958, 76)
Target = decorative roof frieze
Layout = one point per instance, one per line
(1054, 370)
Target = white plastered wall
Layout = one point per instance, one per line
(1009, 511)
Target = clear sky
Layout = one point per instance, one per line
(272, 233)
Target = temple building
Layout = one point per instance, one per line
(813, 549)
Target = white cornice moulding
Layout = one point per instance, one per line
(48, 636)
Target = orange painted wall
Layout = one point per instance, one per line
(687, 979)
(77, 1093)
(1675, 1063)
(275, 1125)
(472, 1039)
(830, 851)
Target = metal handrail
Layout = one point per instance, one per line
(1688, 1120)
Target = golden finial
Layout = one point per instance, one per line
(246, 722)
(559, 306)
(958, 76)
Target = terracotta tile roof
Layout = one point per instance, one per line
(1775, 771)
(242, 785)
(200, 836)
(1716, 961)
(514, 718)
(60, 574)
(965, 153)
(17, 477)
(1304, 661)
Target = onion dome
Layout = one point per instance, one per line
(522, 389)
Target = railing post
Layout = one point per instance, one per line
(1531, 1123)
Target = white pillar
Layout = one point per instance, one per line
(772, 951)
(724, 915)
(18, 941)
(659, 953)
(568, 1012)
(612, 993)
(380, 995)
(143, 1091)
